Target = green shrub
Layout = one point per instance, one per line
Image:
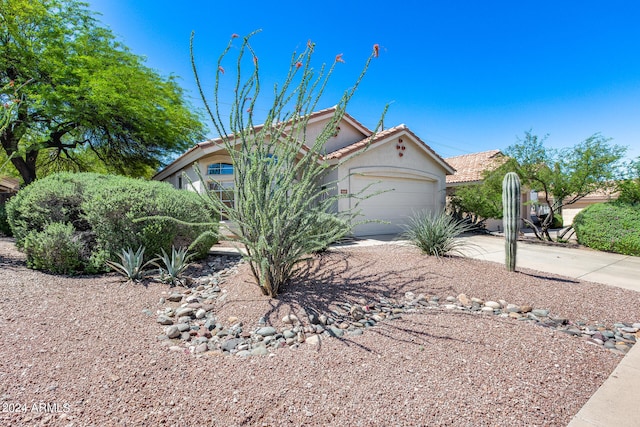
(56, 198)
(613, 227)
(629, 191)
(557, 220)
(5, 229)
(113, 211)
(109, 214)
(57, 249)
(435, 234)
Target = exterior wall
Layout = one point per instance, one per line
(418, 180)
(347, 135)
(329, 180)
(569, 212)
(385, 157)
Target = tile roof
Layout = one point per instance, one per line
(218, 141)
(382, 135)
(356, 146)
(469, 167)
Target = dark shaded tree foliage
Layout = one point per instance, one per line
(86, 102)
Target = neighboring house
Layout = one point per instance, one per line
(8, 187)
(469, 171)
(570, 211)
(469, 168)
(395, 159)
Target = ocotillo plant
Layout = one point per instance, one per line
(281, 210)
(511, 217)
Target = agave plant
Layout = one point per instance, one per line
(435, 234)
(132, 265)
(174, 265)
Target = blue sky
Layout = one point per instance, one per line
(466, 76)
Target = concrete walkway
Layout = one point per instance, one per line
(617, 401)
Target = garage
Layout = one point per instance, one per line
(404, 195)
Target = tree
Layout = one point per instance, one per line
(479, 202)
(629, 188)
(567, 175)
(90, 102)
(281, 210)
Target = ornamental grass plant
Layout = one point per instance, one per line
(435, 233)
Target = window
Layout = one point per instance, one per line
(220, 169)
(179, 183)
(224, 190)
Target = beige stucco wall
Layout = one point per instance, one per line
(414, 163)
(347, 135)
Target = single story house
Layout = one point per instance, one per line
(395, 159)
(470, 167)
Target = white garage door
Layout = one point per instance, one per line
(405, 196)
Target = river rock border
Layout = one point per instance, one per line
(190, 324)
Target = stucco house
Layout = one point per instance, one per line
(470, 167)
(395, 159)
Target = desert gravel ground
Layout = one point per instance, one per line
(81, 351)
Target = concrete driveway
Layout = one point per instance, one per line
(579, 263)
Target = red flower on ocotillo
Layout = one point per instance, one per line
(376, 50)
(339, 58)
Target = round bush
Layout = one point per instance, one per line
(56, 249)
(613, 227)
(57, 198)
(112, 213)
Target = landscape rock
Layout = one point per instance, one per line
(540, 312)
(202, 334)
(464, 300)
(172, 331)
(314, 340)
(164, 320)
(175, 297)
(356, 312)
(266, 331)
(231, 344)
(184, 311)
(259, 351)
(290, 319)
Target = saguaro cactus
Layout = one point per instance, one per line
(510, 217)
